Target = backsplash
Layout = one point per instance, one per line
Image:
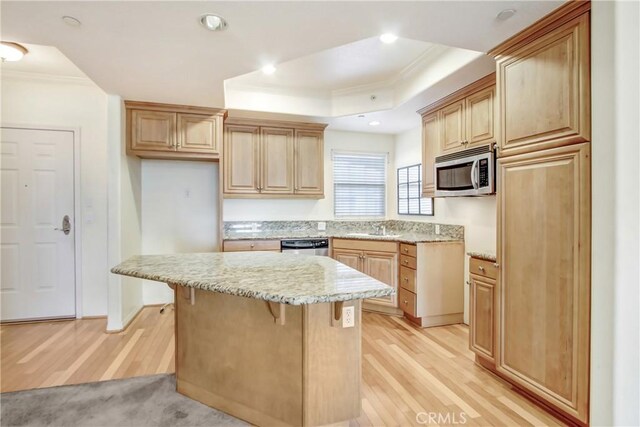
(302, 227)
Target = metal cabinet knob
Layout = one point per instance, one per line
(496, 265)
(252, 245)
(406, 302)
(405, 261)
(406, 279)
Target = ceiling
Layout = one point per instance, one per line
(157, 51)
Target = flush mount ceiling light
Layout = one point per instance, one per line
(503, 15)
(11, 52)
(388, 38)
(71, 21)
(374, 123)
(269, 69)
(213, 22)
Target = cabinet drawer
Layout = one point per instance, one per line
(406, 249)
(408, 278)
(407, 261)
(251, 245)
(365, 245)
(407, 302)
(483, 268)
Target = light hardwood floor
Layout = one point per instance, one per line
(406, 370)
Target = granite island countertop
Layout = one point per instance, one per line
(390, 237)
(277, 277)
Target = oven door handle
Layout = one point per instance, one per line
(474, 173)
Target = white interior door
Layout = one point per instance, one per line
(37, 256)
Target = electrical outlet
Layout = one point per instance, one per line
(437, 228)
(348, 317)
(322, 226)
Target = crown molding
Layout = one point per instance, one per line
(51, 78)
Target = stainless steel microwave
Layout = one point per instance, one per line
(466, 173)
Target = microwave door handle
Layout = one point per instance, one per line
(474, 170)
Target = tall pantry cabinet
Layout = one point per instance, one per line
(544, 210)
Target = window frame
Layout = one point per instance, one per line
(383, 154)
(407, 183)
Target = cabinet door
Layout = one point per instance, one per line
(198, 133)
(430, 149)
(544, 249)
(309, 163)
(479, 109)
(276, 158)
(544, 91)
(349, 258)
(383, 266)
(482, 316)
(153, 130)
(452, 127)
(241, 165)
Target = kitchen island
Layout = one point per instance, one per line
(265, 336)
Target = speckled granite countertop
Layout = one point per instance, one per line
(487, 256)
(283, 234)
(268, 276)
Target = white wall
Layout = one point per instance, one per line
(615, 344)
(179, 213)
(73, 103)
(124, 240)
(308, 209)
(476, 214)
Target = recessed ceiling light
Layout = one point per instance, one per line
(213, 22)
(374, 123)
(11, 52)
(388, 38)
(269, 69)
(503, 15)
(71, 21)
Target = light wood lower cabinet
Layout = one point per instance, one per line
(273, 159)
(373, 258)
(483, 294)
(251, 245)
(544, 226)
(163, 131)
(432, 283)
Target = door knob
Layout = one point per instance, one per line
(66, 225)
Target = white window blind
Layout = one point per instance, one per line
(359, 181)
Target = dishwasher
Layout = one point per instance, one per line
(305, 246)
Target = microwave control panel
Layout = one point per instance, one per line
(483, 172)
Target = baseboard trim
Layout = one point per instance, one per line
(126, 325)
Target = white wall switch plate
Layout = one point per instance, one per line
(322, 226)
(437, 228)
(348, 317)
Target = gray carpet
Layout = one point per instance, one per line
(142, 401)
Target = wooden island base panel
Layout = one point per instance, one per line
(270, 338)
(234, 354)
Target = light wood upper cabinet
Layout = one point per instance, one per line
(153, 130)
(544, 90)
(241, 159)
(430, 149)
(164, 131)
(479, 110)
(198, 133)
(288, 163)
(309, 162)
(452, 125)
(544, 226)
(462, 120)
(276, 156)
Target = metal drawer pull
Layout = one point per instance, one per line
(496, 265)
(252, 245)
(481, 268)
(405, 261)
